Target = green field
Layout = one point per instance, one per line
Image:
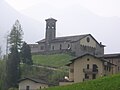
(55, 60)
(104, 83)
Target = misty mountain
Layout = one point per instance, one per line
(75, 19)
(8, 15)
(72, 20)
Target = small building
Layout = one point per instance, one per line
(113, 58)
(32, 84)
(88, 67)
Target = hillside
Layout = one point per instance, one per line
(50, 68)
(105, 83)
(55, 60)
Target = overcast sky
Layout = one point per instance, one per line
(101, 18)
(106, 8)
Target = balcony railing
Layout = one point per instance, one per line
(90, 71)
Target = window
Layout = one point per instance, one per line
(52, 47)
(105, 68)
(60, 46)
(109, 69)
(88, 39)
(88, 59)
(87, 66)
(94, 76)
(68, 45)
(95, 68)
(86, 76)
(42, 47)
(27, 87)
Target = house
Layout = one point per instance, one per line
(31, 84)
(88, 67)
(78, 44)
(113, 58)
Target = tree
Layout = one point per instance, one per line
(13, 67)
(15, 36)
(26, 54)
(2, 74)
(13, 60)
(0, 52)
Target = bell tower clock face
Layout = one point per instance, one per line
(51, 25)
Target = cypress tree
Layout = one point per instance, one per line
(26, 54)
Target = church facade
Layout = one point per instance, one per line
(78, 44)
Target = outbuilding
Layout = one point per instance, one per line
(32, 84)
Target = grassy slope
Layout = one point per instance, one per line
(56, 60)
(105, 83)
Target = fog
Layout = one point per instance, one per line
(101, 19)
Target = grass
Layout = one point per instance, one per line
(55, 60)
(104, 83)
(49, 75)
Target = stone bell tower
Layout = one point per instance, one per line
(50, 32)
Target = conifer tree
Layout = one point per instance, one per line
(13, 61)
(13, 67)
(15, 36)
(26, 54)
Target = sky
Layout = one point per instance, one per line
(107, 8)
(101, 18)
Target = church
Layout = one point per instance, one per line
(77, 45)
(89, 63)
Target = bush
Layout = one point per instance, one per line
(13, 89)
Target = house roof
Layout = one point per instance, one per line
(100, 58)
(69, 39)
(34, 80)
(116, 55)
(65, 80)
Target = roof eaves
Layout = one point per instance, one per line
(36, 81)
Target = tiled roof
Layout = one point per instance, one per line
(100, 58)
(66, 38)
(34, 80)
(70, 39)
(112, 55)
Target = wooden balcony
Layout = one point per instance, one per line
(90, 71)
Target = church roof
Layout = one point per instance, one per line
(66, 38)
(70, 39)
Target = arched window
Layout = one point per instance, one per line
(60, 46)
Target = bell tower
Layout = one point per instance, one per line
(50, 31)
